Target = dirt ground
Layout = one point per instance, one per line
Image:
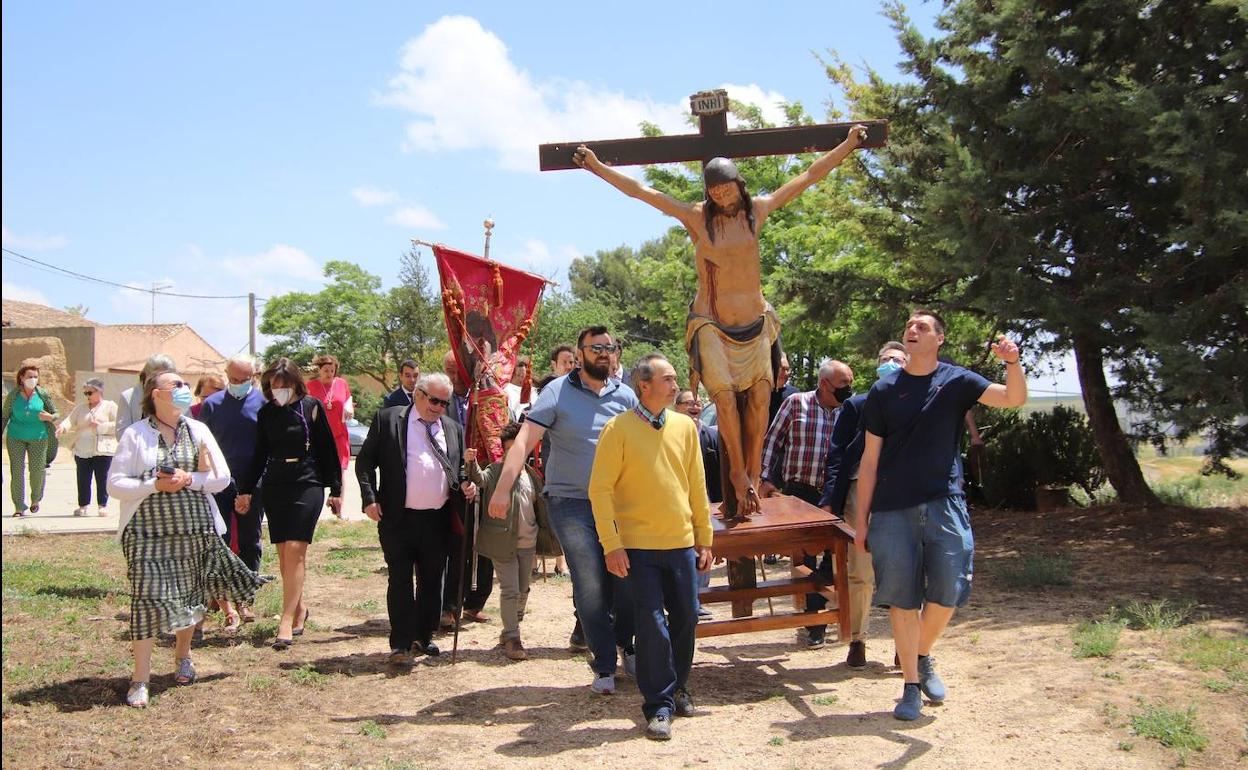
(1018, 698)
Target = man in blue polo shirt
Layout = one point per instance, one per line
(572, 411)
(910, 508)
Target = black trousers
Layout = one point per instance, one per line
(414, 545)
(89, 468)
(474, 598)
(243, 529)
(813, 601)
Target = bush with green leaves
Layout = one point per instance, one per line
(1053, 448)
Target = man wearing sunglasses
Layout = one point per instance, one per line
(419, 450)
(572, 410)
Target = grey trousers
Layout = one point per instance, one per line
(513, 590)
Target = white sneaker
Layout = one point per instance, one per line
(80, 511)
(103, 511)
(603, 685)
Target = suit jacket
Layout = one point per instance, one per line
(385, 449)
(844, 454)
(708, 438)
(397, 397)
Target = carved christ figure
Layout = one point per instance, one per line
(732, 334)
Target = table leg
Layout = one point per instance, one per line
(741, 574)
(840, 555)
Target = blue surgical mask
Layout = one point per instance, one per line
(887, 368)
(239, 390)
(182, 398)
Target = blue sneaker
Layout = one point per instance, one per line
(929, 680)
(910, 706)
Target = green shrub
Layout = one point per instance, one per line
(1037, 570)
(1046, 449)
(1097, 638)
(1155, 616)
(1170, 727)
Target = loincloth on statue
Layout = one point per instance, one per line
(733, 358)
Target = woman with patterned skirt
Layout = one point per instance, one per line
(165, 470)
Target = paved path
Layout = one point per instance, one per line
(60, 498)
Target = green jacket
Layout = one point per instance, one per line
(49, 406)
(496, 538)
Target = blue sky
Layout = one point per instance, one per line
(234, 147)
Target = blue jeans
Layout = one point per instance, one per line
(658, 581)
(597, 594)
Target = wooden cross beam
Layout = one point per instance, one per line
(713, 140)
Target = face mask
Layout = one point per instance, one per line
(182, 398)
(30, 382)
(239, 390)
(282, 395)
(887, 368)
(843, 394)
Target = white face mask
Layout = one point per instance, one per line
(282, 396)
(30, 382)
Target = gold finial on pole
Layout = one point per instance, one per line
(489, 227)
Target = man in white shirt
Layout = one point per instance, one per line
(419, 451)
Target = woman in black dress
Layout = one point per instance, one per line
(295, 460)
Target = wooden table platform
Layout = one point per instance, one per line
(790, 526)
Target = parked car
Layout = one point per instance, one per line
(356, 433)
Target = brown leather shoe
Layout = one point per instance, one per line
(476, 616)
(447, 621)
(514, 649)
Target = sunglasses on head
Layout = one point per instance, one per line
(442, 402)
(599, 347)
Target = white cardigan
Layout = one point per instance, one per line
(139, 451)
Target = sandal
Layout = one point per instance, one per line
(19, 514)
(307, 613)
(34, 507)
(137, 695)
(248, 615)
(232, 623)
(281, 644)
(186, 672)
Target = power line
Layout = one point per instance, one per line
(92, 279)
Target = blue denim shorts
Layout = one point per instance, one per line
(922, 554)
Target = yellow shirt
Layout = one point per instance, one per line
(648, 487)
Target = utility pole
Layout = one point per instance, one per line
(155, 288)
(251, 323)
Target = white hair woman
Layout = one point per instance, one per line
(165, 468)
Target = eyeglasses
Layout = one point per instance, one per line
(600, 348)
(686, 402)
(177, 384)
(442, 402)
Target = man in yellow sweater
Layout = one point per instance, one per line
(648, 492)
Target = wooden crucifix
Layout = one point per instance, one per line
(713, 140)
(732, 334)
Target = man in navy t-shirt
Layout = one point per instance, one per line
(910, 507)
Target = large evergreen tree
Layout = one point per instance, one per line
(1077, 168)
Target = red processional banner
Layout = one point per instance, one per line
(489, 310)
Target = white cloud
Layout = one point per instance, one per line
(281, 264)
(371, 196)
(536, 256)
(23, 294)
(466, 93)
(767, 101)
(416, 217)
(34, 242)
